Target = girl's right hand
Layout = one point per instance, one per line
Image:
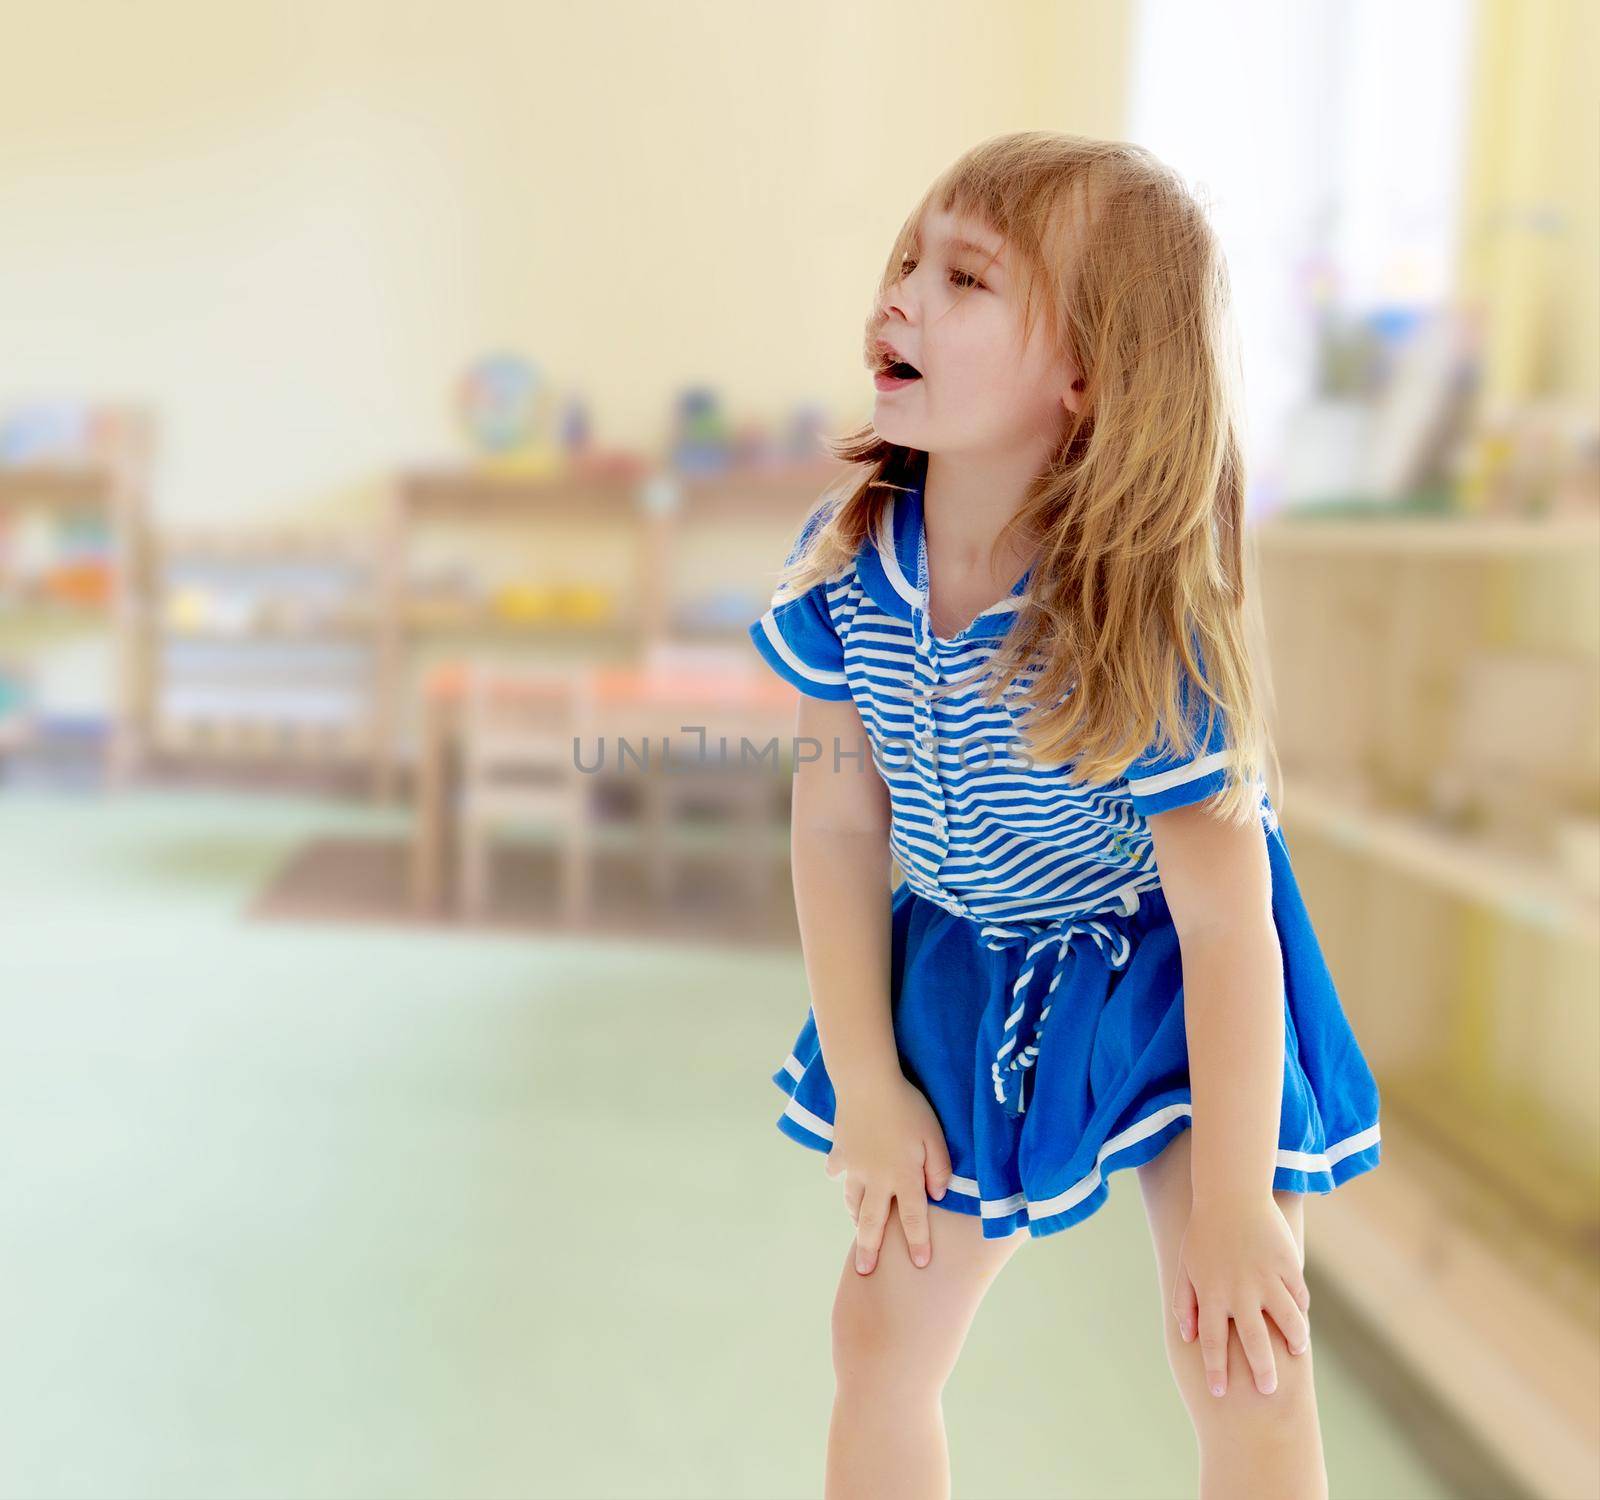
(888, 1144)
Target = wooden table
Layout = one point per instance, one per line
(636, 704)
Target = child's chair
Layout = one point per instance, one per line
(518, 728)
(746, 796)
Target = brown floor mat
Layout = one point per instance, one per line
(348, 879)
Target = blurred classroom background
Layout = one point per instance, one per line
(392, 393)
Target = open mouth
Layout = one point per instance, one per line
(895, 371)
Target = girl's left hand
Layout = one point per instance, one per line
(1237, 1260)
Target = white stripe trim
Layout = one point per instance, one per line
(814, 1123)
(1147, 786)
(891, 561)
(999, 1208)
(909, 592)
(1310, 1162)
(769, 626)
(1092, 1179)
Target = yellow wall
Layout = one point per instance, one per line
(290, 226)
(1531, 221)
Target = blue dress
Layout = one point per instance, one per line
(1036, 983)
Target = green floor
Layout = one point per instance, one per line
(317, 1211)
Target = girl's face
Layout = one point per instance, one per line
(955, 314)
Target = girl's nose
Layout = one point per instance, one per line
(901, 294)
(899, 299)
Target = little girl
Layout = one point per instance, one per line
(1020, 632)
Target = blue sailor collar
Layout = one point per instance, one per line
(893, 569)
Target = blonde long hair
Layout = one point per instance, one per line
(1137, 521)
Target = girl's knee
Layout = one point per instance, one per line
(873, 1341)
(905, 1325)
(900, 1327)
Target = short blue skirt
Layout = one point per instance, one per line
(1052, 1064)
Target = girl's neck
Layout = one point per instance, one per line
(966, 500)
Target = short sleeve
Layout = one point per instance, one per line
(1162, 779)
(798, 640)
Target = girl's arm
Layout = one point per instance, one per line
(839, 843)
(1240, 1255)
(1218, 884)
(887, 1142)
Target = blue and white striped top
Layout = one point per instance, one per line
(976, 827)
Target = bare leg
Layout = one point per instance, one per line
(1250, 1444)
(896, 1335)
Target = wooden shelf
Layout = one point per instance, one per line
(757, 493)
(1516, 1177)
(261, 630)
(1515, 1364)
(60, 484)
(710, 630)
(658, 507)
(202, 545)
(288, 589)
(529, 630)
(54, 612)
(244, 738)
(112, 483)
(1441, 536)
(1520, 889)
(1394, 644)
(539, 495)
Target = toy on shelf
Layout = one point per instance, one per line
(504, 404)
(46, 432)
(718, 611)
(267, 583)
(520, 603)
(55, 557)
(73, 477)
(30, 546)
(16, 699)
(700, 438)
(705, 441)
(49, 432)
(1389, 414)
(457, 594)
(82, 574)
(752, 445)
(1537, 458)
(553, 604)
(574, 432)
(266, 645)
(804, 437)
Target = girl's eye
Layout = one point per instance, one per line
(969, 278)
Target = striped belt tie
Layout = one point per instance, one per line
(1034, 987)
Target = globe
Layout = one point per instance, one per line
(500, 401)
